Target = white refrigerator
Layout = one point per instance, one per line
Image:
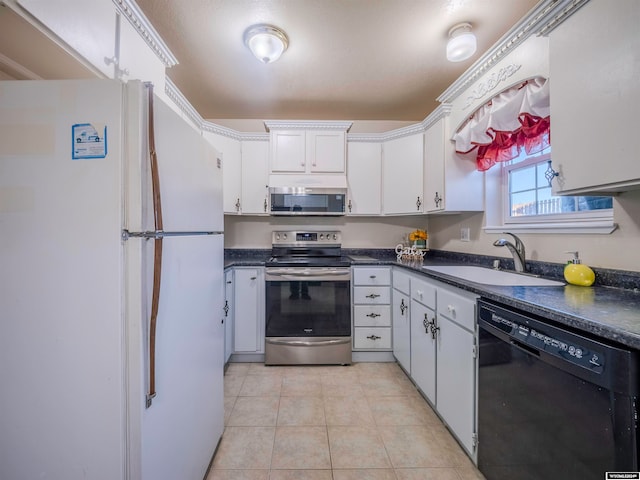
(111, 334)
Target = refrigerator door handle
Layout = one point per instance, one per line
(157, 254)
(156, 234)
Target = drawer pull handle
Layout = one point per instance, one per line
(373, 315)
(403, 307)
(372, 276)
(374, 337)
(373, 295)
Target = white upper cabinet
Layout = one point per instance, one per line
(308, 147)
(295, 151)
(452, 183)
(288, 151)
(402, 177)
(595, 94)
(231, 170)
(87, 27)
(364, 178)
(138, 61)
(255, 177)
(326, 152)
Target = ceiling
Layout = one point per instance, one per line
(347, 59)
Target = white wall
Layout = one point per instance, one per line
(619, 250)
(357, 232)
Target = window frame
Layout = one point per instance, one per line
(497, 211)
(569, 217)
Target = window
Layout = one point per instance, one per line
(529, 198)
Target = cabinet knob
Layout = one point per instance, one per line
(403, 307)
(418, 204)
(253, 278)
(373, 315)
(550, 173)
(434, 328)
(373, 295)
(374, 337)
(238, 205)
(437, 199)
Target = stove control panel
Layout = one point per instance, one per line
(295, 237)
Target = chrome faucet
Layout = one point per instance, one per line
(517, 251)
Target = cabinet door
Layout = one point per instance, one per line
(288, 151)
(139, 60)
(364, 177)
(401, 329)
(423, 350)
(255, 177)
(228, 314)
(325, 152)
(594, 65)
(231, 170)
(434, 167)
(402, 175)
(89, 28)
(456, 374)
(248, 311)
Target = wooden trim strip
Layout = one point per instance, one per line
(157, 255)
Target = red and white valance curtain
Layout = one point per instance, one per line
(515, 119)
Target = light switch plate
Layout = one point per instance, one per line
(465, 234)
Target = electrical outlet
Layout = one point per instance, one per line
(465, 234)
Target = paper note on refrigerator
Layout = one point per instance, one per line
(89, 141)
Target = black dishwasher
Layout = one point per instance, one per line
(553, 403)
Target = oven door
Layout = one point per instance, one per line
(308, 315)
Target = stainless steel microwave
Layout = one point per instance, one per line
(307, 201)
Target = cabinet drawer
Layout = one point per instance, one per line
(401, 281)
(372, 316)
(371, 295)
(372, 337)
(458, 307)
(423, 292)
(372, 276)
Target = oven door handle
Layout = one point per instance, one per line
(307, 343)
(306, 275)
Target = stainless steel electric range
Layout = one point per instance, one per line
(308, 300)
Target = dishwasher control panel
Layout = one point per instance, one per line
(535, 337)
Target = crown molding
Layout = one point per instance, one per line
(306, 125)
(540, 21)
(181, 102)
(130, 10)
(442, 111)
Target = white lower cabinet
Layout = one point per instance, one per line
(372, 308)
(423, 350)
(443, 349)
(401, 319)
(423, 344)
(249, 306)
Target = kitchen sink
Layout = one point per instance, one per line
(490, 276)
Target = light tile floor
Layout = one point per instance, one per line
(366, 421)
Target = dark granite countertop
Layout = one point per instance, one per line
(601, 311)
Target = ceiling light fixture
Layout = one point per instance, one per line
(462, 43)
(266, 42)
